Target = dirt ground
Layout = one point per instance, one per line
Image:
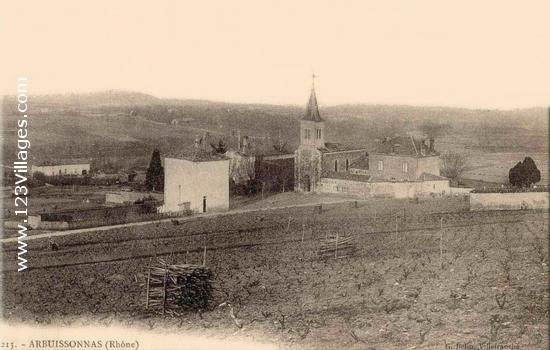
(418, 279)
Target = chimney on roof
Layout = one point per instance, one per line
(432, 141)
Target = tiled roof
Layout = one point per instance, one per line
(346, 176)
(195, 155)
(360, 163)
(404, 146)
(65, 162)
(337, 147)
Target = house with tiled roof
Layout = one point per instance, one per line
(401, 166)
(402, 158)
(63, 168)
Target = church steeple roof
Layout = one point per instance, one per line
(312, 113)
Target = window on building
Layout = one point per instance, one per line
(380, 165)
(347, 164)
(336, 165)
(318, 134)
(341, 189)
(405, 167)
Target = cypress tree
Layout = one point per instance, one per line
(154, 180)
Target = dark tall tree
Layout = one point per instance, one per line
(154, 180)
(524, 174)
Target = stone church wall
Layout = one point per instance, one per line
(330, 158)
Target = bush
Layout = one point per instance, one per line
(524, 174)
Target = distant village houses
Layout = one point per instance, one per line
(60, 169)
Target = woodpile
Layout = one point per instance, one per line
(338, 247)
(172, 289)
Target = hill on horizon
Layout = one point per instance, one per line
(124, 98)
(121, 126)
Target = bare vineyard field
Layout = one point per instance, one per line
(397, 290)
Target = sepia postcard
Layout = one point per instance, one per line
(274, 175)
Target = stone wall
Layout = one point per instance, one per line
(428, 165)
(196, 185)
(130, 197)
(341, 157)
(393, 167)
(410, 189)
(508, 201)
(307, 169)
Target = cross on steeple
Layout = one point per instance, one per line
(312, 113)
(313, 76)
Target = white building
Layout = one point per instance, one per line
(198, 181)
(50, 169)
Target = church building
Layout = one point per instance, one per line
(401, 167)
(315, 157)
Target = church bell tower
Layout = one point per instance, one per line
(308, 160)
(312, 126)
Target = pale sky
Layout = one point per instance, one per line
(475, 54)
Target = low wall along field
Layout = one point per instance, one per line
(508, 201)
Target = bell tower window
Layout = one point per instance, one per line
(318, 134)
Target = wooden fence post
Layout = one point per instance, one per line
(204, 257)
(336, 250)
